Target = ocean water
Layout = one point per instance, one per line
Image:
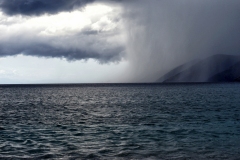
(120, 121)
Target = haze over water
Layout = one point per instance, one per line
(120, 121)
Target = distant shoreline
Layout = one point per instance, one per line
(109, 84)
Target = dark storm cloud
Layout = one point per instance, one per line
(87, 44)
(38, 7)
(48, 51)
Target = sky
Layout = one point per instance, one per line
(59, 41)
(107, 41)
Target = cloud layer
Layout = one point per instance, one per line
(38, 7)
(91, 32)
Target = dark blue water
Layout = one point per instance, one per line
(124, 121)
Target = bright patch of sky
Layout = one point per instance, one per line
(28, 69)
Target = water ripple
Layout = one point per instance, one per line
(120, 122)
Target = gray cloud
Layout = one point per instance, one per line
(95, 38)
(86, 46)
(45, 50)
(38, 7)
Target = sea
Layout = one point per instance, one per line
(120, 121)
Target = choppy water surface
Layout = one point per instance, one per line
(141, 121)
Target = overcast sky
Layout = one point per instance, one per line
(90, 41)
(61, 41)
